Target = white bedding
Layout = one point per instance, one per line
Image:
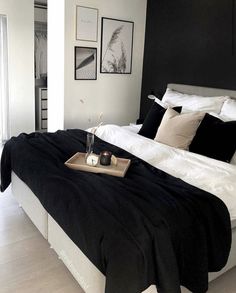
(214, 176)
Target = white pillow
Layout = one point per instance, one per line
(228, 111)
(233, 160)
(193, 102)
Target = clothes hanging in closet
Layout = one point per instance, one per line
(40, 54)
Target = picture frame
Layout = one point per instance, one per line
(85, 63)
(86, 23)
(116, 46)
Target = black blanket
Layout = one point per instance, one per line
(147, 228)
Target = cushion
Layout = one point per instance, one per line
(233, 160)
(228, 111)
(193, 102)
(215, 139)
(153, 119)
(177, 130)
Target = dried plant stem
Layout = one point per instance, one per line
(96, 128)
(113, 40)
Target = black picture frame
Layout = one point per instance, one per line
(85, 61)
(116, 46)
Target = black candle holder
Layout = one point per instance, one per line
(105, 158)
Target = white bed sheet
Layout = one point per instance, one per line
(211, 175)
(133, 127)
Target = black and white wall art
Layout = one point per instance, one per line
(85, 63)
(86, 23)
(116, 46)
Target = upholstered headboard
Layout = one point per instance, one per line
(201, 91)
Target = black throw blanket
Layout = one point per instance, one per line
(147, 228)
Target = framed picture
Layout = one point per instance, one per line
(85, 63)
(86, 23)
(116, 46)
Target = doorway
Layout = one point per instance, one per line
(40, 30)
(4, 88)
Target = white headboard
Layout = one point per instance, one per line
(201, 91)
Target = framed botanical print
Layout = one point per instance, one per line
(85, 63)
(116, 46)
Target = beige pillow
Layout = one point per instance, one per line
(178, 130)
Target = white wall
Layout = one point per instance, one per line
(20, 18)
(117, 96)
(56, 64)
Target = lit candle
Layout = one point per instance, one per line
(105, 158)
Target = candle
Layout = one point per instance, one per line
(105, 158)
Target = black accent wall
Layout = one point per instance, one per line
(189, 42)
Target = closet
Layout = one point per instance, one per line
(40, 30)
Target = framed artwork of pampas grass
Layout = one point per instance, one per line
(85, 63)
(116, 46)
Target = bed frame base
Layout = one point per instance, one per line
(30, 204)
(83, 270)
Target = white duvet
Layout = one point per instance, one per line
(211, 175)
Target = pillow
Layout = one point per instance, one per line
(153, 119)
(177, 130)
(233, 160)
(228, 111)
(215, 139)
(193, 102)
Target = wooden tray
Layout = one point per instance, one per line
(77, 162)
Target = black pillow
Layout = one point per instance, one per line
(153, 120)
(215, 139)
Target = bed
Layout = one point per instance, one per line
(165, 158)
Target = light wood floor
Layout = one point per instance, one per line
(28, 265)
